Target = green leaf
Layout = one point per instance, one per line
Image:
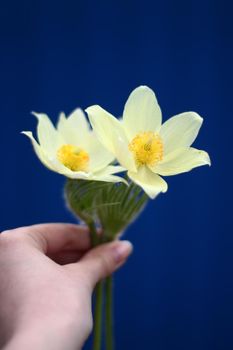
(125, 203)
(80, 196)
(112, 206)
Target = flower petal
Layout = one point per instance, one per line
(111, 134)
(100, 157)
(108, 178)
(38, 149)
(52, 163)
(142, 112)
(74, 129)
(105, 125)
(77, 119)
(48, 136)
(151, 183)
(182, 160)
(111, 169)
(61, 120)
(107, 174)
(180, 131)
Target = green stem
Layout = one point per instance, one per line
(98, 308)
(98, 316)
(109, 313)
(93, 234)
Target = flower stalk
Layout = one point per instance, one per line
(99, 290)
(98, 311)
(109, 333)
(93, 234)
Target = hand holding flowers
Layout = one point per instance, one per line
(144, 148)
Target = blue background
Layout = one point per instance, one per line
(176, 290)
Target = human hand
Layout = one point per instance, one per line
(47, 276)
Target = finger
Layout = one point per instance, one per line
(55, 237)
(101, 261)
(66, 257)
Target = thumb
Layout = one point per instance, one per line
(104, 260)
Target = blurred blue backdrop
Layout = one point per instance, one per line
(176, 290)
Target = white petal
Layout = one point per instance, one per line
(53, 163)
(74, 129)
(180, 131)
(151, 183)
(181, 161)
(111, 169)
(107, 174)
(38, 149)
(109, 178)
(105, 126)
(100, 157)
(48, 136)
(111, 134)
(63, 170)
(77, 119)
(141, 112)
(61, 120)
(75, 174)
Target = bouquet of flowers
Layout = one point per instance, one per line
(114, 168)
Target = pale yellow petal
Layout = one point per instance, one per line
(74, 129)
(61, 169)
(111, 134)
(151, 183)
(105, 126)
(99, 156)
(48, 136)
(74, 174)
(61, 121)
(38, 150)
(77, 119)
(181, 161)
(108, 178)
(107, 174)
(142, 112)
(180, 131)
(52, 163)
(111, 169)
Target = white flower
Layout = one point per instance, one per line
(72, 149)
(143, 146)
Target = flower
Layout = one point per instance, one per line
(146, 148)
(72, 149)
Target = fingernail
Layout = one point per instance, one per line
(122, 250)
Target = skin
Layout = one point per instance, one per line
(47, 276)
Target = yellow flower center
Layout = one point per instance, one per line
(74, 158)
(147, 148)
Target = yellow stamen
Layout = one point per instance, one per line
(74, 158)
(147, 148)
